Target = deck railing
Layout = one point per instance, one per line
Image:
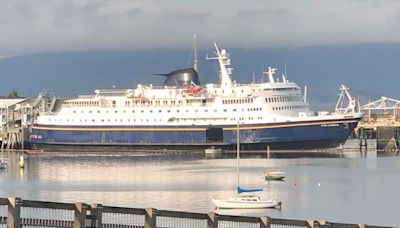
(15, 212)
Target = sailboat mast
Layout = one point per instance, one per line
(237, 156)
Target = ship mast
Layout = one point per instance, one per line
(224, 66)
(195, 62)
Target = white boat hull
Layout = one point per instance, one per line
(237, 204)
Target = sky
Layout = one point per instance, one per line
(37, 26)
(73, 47)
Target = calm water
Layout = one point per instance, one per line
(356, 190)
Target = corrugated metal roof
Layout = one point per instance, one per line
(8, 102)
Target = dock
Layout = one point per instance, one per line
(16, 213)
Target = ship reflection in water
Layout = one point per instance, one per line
(356, 190)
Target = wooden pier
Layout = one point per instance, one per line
(16, 213)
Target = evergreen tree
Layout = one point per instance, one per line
(13, 94)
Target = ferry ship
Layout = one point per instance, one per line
(184, 114)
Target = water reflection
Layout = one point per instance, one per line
(353, 189)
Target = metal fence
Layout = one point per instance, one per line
(16, 213)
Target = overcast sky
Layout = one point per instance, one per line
(35, 26)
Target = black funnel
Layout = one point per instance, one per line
(181, 78)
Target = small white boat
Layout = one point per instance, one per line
(3, 163)
(246, 202)
(275, 175)
(213, 150)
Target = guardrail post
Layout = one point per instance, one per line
(97, 211)
(14, 212)
(212, 220)
(150, 218)
(80, 215)
(311, 224)
(265, 222)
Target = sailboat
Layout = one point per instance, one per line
(244, 199)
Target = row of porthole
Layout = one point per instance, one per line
(168, 111)
(283, 99)
(146, 120)
(287, 107)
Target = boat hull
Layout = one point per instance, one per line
(279, 136)
(232, 204)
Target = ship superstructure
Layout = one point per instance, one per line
(186, 114)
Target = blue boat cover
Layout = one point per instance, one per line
(241, 190)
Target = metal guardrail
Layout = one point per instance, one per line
(15, 212)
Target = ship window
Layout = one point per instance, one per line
(177, 110)
(159, 111)
(74, 111)
(196, 110)
(116, 111)
(205, 110)
(98, 111)
(215, 110)
(102, 120)
(234, 110)
(168, 110)
(93, 120)
(224, 110)
(124, 111)
(133, 111)
(142, 111)
(151, 111)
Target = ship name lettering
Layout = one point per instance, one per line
(329, 125)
